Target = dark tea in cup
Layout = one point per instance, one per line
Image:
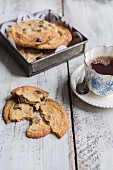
(103, 65)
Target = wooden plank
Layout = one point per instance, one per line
(15, 7)
(17, 151)
(93, 126)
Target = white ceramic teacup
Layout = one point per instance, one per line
(99, 84)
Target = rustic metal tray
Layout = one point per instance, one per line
(73, 50)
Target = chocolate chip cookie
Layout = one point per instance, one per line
(32, 33)
(32, 55)
(63, 37)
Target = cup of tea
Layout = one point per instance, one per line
(99, 70)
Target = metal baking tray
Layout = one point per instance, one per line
(73, 50)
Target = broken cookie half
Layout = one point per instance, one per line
(14, 111)
(56, 117)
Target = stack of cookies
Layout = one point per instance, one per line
(45, 115)
(36, 39)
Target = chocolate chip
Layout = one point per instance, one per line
(14, 96)
(24, 29)
(38, 40)
(17, 107)
(40, 111)
(38, 92)
(21, 99)
(39, 57)
(17, 35)
(40, 25)
(42, 98)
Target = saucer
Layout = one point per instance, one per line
(90, 98)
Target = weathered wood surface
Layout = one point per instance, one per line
(93, 126)
(17, 151)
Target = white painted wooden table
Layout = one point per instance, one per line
(88, 145)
